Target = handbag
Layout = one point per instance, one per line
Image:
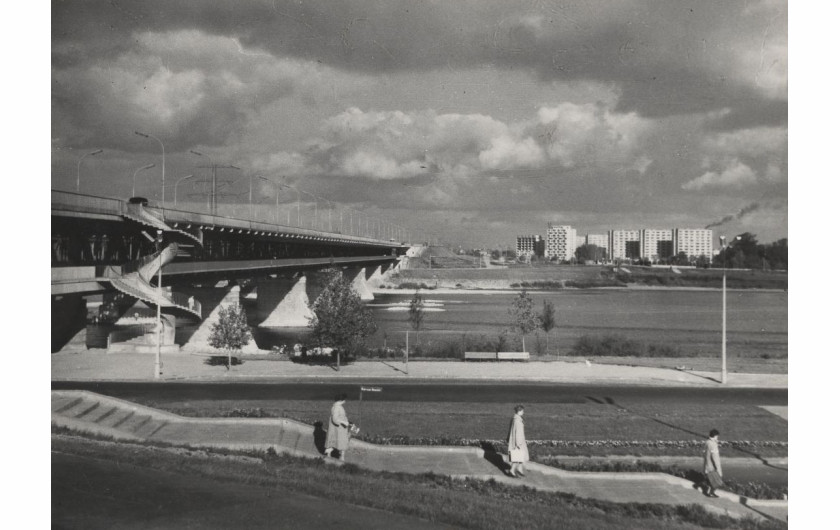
(714, 479)
(517, 455)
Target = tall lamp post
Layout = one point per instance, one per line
(176, 187)
(134, 177)
(162, 167)
(159, 322)
(723, 248)
(79, 166)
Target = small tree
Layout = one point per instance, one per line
(415, 311)
(339, 315)
(524, 319)
(231, 332)
(547, 320)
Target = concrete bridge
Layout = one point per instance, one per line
(191, 264)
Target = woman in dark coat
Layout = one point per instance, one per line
(338, 432)
(517, 447)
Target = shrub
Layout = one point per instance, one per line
(613, 345)
(221, 360)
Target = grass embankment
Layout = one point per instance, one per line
(463, 503)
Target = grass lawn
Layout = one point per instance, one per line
(464, 504)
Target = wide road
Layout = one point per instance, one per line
(467, 392)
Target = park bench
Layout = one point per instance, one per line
(513, 356)
(479, 356)
(496, 356)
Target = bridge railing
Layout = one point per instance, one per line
(71, 201)
(66, 200)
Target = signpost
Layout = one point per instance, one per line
(362, 390)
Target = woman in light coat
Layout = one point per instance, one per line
(711, 463)
(517, 447)
(338, 432)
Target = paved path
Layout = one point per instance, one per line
(97, 365)
(125, 420)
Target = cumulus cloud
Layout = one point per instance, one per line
(395, 145)
(735, 174)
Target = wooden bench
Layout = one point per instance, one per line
(479, 356)
(513, 356)
(496, 356)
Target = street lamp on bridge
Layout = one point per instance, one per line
(79, 166)
(162, 167)
(176, 187)
(134, 177)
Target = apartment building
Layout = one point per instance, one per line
(657, 243)
(624, 244)
(695, 242)
(529, 246)
(560, 242)
(599, 240)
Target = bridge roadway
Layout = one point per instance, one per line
(83, 219)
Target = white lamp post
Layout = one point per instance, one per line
(159, 322)
(723, 248)
(134, 177)
(79, 166)
(176, 187)
(162, 167)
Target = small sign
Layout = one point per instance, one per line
(371, 389)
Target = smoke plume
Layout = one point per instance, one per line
(741, 213)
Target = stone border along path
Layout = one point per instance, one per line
(123, 420)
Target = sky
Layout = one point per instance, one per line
(466, 123)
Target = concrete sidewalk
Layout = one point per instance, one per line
(95, 365)
(128, 421)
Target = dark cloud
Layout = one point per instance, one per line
(664, 58)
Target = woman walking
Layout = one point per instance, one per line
(517, 447)
(338, 432)
(711, 463)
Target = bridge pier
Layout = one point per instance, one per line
(356, 277)
(374, 277)
(215, 298)
(284, 302)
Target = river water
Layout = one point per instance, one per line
(689, 320)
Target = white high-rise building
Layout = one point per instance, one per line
(599, 240)
(624, 244)
(657, 243)
(560, 242)
(695, 242)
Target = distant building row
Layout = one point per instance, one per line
(561, 241)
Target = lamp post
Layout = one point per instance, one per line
(134, 177)
(79, 166)
(159, 322)
(176, 187)
(213, 181)
(723, 248)
(162, 167)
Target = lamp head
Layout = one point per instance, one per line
(96, 152)
(141, 134)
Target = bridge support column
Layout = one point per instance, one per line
(374, 279)
(199, 341)
(284, 302)
(356, 277)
